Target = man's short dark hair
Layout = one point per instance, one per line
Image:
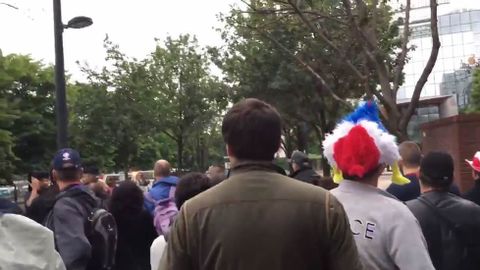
(189, 186)
(40, 175)
(436, 170)
(71, 175)
(91, 169)
(410, 153)
(252, 130)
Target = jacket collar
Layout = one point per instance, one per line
(350, 186)
(435, 196)
(251, 165)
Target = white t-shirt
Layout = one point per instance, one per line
(387, 234)
(25, 244)
(156, 252)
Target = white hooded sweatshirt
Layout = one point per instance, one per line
(25, 244)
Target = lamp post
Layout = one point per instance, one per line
(61, 97)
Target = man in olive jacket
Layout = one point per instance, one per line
(258, 218)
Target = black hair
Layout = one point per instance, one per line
(40, 175)
(252, 130)
(436, 170)
(189, 186)
(72, 174)
(91, 169)
(126, 200)
(367, 175)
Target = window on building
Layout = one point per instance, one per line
(465, 18)
(455, 19)
(475, 15)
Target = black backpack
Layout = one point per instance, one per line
(461, 248)
(100, 229)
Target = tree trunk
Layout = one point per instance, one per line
(327, 170)
(301, 137)
(180, 153)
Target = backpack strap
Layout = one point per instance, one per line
(171, 194)
(446, 220)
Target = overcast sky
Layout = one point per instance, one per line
(131, 24)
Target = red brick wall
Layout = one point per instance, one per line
(458, 135)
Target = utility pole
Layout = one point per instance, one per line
(61, 96)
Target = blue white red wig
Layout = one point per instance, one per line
(360, 143)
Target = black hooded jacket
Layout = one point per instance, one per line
(307, 175)
(451, 226)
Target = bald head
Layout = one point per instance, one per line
(162, 168)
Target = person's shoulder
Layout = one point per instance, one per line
(301, 190)
(66, 204)
(21, 223)
(413, 203)
(464, 203)
(285, 187)
(398, 210)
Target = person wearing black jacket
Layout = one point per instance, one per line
(450, 224)
(302, 170)
(71, 211)
(41, 198)
(135, 227)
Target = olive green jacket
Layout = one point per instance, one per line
(260, 219)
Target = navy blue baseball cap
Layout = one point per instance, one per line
(67, 158)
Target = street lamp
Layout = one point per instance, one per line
(61, 97)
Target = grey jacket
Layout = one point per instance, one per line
(387, 234)
(68, 220)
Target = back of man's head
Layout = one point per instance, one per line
(162, 168)
(189, 186)
(301, 159)
(216, 173)
(252, 130)
(436, 170)
(67, 165)
(411, 154)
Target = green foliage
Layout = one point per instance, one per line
(255, 66)
(130, 113)
(7, 157)
(475, 96)
(188, 98)
(137, 111)
(27, 94)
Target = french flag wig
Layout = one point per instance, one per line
(360, 143)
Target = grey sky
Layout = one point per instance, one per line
(131, 24)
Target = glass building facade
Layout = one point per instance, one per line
(459, 33)
(460, 44)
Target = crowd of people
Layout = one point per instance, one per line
(254, 216)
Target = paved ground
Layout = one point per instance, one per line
(384, 181)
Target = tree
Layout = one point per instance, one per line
(27, 96)
(475, 96)
(92, 124)
(358, 36)
(7, 157)
(188, 98)
(119, 106)
(134, 112)
(255, 64)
